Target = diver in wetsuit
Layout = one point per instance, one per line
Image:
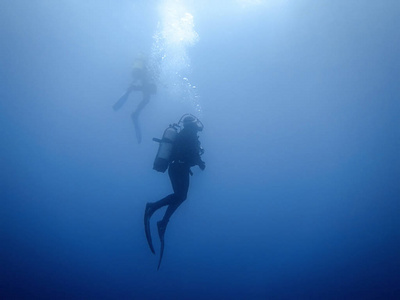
(141, 82)
(185, 154)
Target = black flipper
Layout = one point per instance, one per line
(147, 216)
(121, 101)
(137, 128)
(161, 231)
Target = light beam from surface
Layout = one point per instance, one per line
(169, 58)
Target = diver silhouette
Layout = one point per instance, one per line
(141, 82)
(184, 154)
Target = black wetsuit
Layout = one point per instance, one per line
(186, 154)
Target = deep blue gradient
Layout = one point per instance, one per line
(300, 197)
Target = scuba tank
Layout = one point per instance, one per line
(164, 152)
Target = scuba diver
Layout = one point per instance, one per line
(142, 83)
(178, 152)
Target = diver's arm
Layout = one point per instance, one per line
(202, 165)
(199, 161)
(200, 151)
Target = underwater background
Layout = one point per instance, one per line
(300, 102)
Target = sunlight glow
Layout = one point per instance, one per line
(174, 35)
(247, 3)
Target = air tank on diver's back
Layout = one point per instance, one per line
(164, 152)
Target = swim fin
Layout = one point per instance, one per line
(138, 132)
(121, 101)
(161, 232)
(147, 216)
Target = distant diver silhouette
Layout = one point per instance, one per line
(177, 152)
(141, 82)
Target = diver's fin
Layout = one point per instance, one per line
(121, 101)
(147, 216)
(138, 132)
(161, 232)
(161, 254)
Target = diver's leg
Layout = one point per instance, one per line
(135, 116)
(149, 211)
(179, 176)
(173, 173)
(162, 225)
(170, 210)
(141, 105)
(147, 214)
(151, 207)
(121, 101)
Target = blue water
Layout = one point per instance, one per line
(300, 196)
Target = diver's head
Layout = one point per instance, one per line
(192, 123)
